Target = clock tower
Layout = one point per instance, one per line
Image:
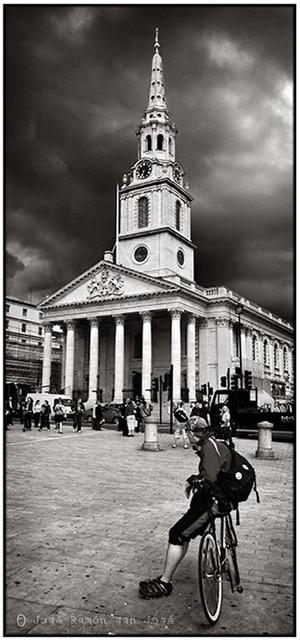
(154, 234)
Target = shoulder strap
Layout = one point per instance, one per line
(215, 445)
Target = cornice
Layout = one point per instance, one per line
(155, 182)
(151, 232)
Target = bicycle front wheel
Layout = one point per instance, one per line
(210, 581)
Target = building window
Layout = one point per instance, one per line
(160, 142)
(285, 359)
(141, 254)
(40, 331)
(235, 341)
(143, 215)
(254, 348)
(7, 308)
(276, 358)
(170, 146)
(24, 313)
(266, 354)
(177, 215)
(23, 341)
(6, 324)
(23, 327)
(40, 344)
(148, 143)
(180, 257)
(41, 315)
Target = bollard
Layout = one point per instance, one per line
(264, 448)
(150, 437)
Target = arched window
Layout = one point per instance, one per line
(276, 360)
(265, 351)
(148, 143)
(254, 347)
(143, 212)
(170, 146)
(160, 141)
(177, 215)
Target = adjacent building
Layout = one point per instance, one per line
(139, 310)
(24, 342)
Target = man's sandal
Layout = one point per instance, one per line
(155, 588)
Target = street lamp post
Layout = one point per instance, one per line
(239, 310)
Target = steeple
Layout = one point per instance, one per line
(157, 97)
(157, 131)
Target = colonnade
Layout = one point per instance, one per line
(119, 355)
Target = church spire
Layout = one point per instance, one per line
(157, 99)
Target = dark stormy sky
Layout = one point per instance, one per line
(77, 81)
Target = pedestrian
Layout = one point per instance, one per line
(145, 411)
(98, 417)
(9, 410)
(79, 413)
(45, 416)
(59, 415)
(37, 413)
(28, 414)
(22, 409)
(181, 419)
(130, 412)
(214, 457)
(122, 420)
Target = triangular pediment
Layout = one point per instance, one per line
(103, 282)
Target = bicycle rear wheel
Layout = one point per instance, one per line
(231, 559)
(209, 573)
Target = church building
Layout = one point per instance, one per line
(138, 311)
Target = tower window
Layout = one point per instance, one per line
(177, 215)
(143, 215)
(148, 143)
(276, 356)
(285, 359)
(160, 141)
(170, 145)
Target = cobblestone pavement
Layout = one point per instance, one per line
(87, 517)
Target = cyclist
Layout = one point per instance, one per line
(214, 456)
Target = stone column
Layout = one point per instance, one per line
(223, 346)
(70, 353)
(46, 375)
(119, 359)
(146, 355)
(203, 351)
(63, 359)
(94, 357)
(191, 357)
(176, 352)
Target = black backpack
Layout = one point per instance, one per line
(238, 482)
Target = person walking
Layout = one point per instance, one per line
(98, 418)
(45, 416)
(130, 417)
(37, 413)
(9, 409)
(181, 419)
(59, 415)
(79, 412)
(28, 414)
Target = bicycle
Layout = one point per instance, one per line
(217, 561)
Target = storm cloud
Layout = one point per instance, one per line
(76, 85)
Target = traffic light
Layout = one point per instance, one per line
(210, 391)
(234, 382)
(248, 379)
(204, 389)
(223, 381)
(154, 389)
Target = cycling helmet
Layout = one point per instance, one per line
(198, 426)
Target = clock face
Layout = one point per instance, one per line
(143, 169)
(177, 172)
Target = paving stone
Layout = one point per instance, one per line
(88, 517)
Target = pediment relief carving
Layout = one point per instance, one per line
(105, 284)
